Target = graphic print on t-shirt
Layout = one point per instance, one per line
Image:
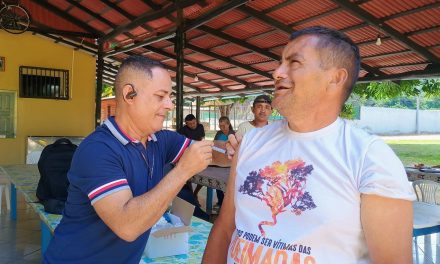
(280, 185)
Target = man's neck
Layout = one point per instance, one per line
(256, 123)
(310, 123)
(130, 130)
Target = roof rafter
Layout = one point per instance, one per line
(405, 65)
(232, 4)
(48, 30)
(205, 68)
(426, 73)
(68, 17)
(95, 16)
(233, 92)
(384, 55)
(191, 75)
(412, 11)
(228, 60)
(318, 16)
(362, 14)
(189, 25)
(279, 6)
(239, 42)
(58, 39)
(426, 30)
(125, 13)
(147, 17)
(270, 21)
(286, 29)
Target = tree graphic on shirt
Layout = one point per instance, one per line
(280, 185)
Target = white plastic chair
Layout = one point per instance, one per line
(427, 191)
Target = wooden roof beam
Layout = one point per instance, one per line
(362, 14)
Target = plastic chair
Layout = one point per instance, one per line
(427, 191)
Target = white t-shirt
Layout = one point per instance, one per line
(244, 127)
(297, 195)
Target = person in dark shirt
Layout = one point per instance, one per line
(192, 129)
(195, 131)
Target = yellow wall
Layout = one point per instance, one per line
(46, 117)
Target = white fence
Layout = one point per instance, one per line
(376, 120)
(393, 121)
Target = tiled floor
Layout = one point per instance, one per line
(20, 240)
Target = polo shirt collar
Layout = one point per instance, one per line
(118, 133)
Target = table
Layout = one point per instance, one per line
(24, 178)
(415, 174)
(426, 218)
(212, 177)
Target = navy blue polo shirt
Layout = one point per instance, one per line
(108, 161)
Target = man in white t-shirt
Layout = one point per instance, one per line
(312, 188)
(261, 108)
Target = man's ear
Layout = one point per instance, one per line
(338, 78)
(128, 93)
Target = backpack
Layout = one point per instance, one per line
(53, 165)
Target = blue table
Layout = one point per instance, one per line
(426, 219)
(24, 178)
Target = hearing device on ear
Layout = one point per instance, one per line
(132, 93)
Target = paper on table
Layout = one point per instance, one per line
(223, 151)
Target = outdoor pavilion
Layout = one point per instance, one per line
(219, 47)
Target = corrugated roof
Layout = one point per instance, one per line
(416, 21)
(244, 40)
(385, 8)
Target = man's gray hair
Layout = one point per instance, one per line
(335, 49)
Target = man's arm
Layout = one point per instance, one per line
(129, 216)
(218, 242)
(387, 225)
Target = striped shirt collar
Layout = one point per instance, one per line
(123, 137)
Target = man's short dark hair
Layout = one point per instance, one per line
(335, 49)
(189, 117)
(262, 99)
(136, 63)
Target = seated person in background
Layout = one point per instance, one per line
(192, 129)
(222, 135)
(261, 109)
(225, 129)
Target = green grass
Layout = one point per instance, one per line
(412, 152)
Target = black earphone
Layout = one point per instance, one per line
(132, 93)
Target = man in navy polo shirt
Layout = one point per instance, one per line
(117, 188)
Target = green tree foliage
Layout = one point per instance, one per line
(107, 90)
(405, 88)
(398, 94)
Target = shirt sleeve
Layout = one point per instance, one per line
(97, 171)
(175, 145)
(383, 174)
(240, 130)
